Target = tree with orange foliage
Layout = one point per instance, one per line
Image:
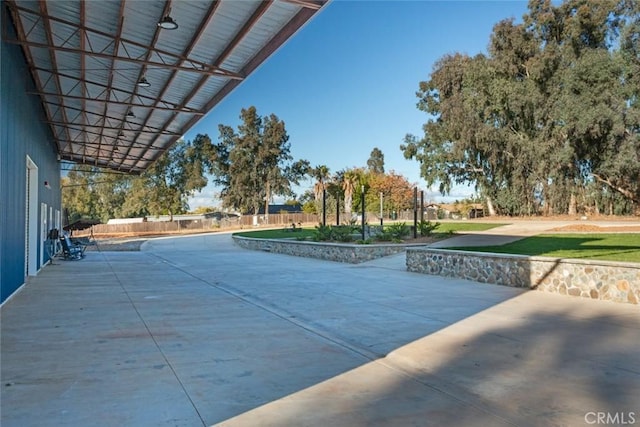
(396, 189)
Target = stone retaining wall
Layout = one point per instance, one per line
(341, 252)
(619, 282)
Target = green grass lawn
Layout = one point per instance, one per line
(612, 247)
(281, 233)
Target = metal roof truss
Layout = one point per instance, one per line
(87, 59)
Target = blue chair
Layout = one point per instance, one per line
(71, 251)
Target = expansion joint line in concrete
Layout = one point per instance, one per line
(155, 342)
(255, 302)
(365, 353)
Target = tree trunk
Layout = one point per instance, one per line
(347, 205)
(266, 203)
(545, 199)
(490, 207)
(624, 191)
(573, 205)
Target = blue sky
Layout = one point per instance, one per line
(346, 82)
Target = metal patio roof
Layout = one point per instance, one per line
(88, 58)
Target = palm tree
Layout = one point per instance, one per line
(349, 180)
(320, 174)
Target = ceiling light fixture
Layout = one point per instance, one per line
(143, 82)
(168, 23)
(130, 115)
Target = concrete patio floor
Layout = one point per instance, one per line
(194, 331)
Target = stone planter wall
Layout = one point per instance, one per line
(341, 252)
(619, 282)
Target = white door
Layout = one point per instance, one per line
(31, 220)
(43, 232)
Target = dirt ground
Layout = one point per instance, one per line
(598, 229)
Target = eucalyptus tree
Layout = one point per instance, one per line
(593, 110)
(164, 188)
(254, 163)
(90, 192)
(551, 108)
(78, 199)
(375, 164)
(111, 190)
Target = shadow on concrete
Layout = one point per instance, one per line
(546, 368)
(198, 331)
(307, 321)
(191, 335)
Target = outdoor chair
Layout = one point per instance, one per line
(71, 251)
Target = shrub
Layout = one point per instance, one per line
(384, 236)
(342, 233)
(398, 231)
(322, 233)
(425, 228)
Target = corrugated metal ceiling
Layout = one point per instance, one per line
(88, 57)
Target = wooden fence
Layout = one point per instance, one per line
(230, 223)
(197, 225)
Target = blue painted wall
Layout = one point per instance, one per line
(23, 132)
